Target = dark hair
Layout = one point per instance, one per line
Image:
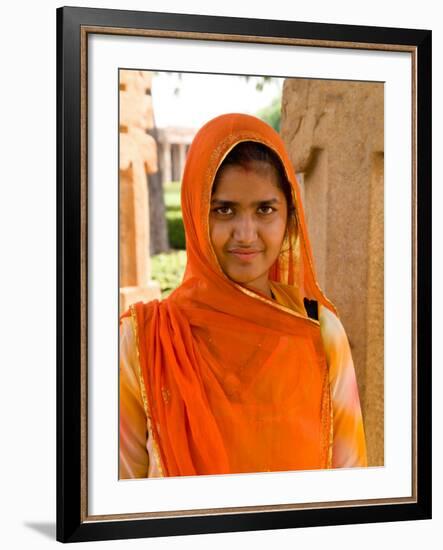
(248, 152)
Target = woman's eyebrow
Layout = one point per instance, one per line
(222, 201)
(272, 200)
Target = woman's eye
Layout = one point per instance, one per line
(266, 209)
(224, 210)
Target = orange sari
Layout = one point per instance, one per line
(234, 381)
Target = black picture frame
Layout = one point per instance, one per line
(73, 522)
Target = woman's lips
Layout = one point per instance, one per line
(245, 254)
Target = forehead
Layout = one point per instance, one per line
(257, 178)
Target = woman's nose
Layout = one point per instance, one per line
(245, 230)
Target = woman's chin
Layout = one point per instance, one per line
(244, 279)
(239, 276)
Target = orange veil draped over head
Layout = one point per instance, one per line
(235, 381)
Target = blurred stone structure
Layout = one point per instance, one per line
(138, 157)
(173, 145)
(333, 131)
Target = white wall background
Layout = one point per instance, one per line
(28, 274)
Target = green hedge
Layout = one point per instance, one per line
(176, 231)
(174, 218)
(168, 269)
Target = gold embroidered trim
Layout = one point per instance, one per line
(213, 167)
(313, 272)
(275, 304)
(166, 394)
(144, 393)
(327, 419)
(331, 428)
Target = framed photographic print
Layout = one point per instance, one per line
(244, 276)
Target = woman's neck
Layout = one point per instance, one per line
(264, 289)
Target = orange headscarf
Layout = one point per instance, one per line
(234, 381)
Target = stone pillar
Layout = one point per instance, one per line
(138, 158)
(181, 159)
(167, 163)
(334, 133)
(174, 156)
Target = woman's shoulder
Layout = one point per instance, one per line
(328, 319)
(127, 333)
(332, 330)
(139, 312)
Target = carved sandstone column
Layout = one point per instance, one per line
(334, 133)
(138, 157)
(167, 162)
(181, 159)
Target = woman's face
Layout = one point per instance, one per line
(247, 222)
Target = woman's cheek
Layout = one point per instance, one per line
(219, 237)
(276, 232)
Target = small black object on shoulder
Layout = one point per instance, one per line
(311, 307)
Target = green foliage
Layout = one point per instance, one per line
(272, 113)
(174, 216)
(176, 233)
(168, 269)
(172, 194)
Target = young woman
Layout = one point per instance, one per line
(245, 367)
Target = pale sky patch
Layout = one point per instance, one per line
(204, 96)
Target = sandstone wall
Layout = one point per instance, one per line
(334, 133)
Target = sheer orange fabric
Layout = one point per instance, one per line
(234, 381)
